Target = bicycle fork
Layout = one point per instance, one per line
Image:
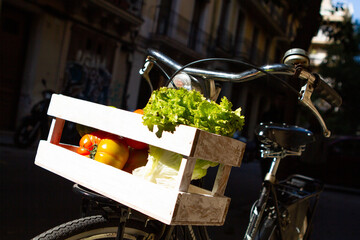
(258, 209)
(257, 212)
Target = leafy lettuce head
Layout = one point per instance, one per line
(163, 167)
(169, 107)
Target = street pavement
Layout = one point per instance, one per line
(34, 200)
(337, 216)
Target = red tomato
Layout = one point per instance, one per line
(136, 144)
(137, 158)
(133, 143)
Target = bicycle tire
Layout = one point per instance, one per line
(267, 230)
(96, 228)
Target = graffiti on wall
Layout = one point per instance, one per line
(88, 77)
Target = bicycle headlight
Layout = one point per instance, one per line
(183, 80)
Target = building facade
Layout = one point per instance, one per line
(94, 49)
(333, 13)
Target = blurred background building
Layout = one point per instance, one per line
(333, 14)
(94, 49)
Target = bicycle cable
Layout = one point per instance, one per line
(233, 61)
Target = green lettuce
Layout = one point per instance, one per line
(169, 107)
(163, 167)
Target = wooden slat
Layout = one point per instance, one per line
(55, 131)
(185, 172)
(199, 190)
(146, 197)
(224, 150)
(186, 140)
(184, 204)
(69, 147)
(194, 209)
(164, 204)
(120, 122)
(221, 180)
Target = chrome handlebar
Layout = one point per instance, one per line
(312, 81)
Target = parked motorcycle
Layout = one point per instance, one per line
(35, 126)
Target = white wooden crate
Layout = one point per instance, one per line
(184, 204)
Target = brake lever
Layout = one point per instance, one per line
(305, 98)
(144, 72)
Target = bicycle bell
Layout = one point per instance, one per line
(296, 56)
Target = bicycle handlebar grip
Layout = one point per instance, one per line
(327, 92)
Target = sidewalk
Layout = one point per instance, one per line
(6, 138)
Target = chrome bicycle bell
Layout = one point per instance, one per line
(296, 56)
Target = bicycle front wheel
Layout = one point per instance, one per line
(268, 230)
(96, 228)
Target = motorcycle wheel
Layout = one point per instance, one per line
(27, 133)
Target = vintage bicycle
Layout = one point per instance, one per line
(284, 209)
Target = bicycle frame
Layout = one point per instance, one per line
(271, 189)
(278, 200)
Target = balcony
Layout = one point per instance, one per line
(133, 7)
(225, 40)
(117, 18)
(178, 32)
(242, 48)
(245, 51)
(269, 15)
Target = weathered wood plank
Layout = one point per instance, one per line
(120, 122)
(188, 141)
(149, 198)
(164, 204)
(221, 180)
(222, 149)
(184, 204)
(185, 172)
(194, 209)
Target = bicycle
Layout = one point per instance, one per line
(284, 209)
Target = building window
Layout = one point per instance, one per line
(254, 45)
(239, 33)
(266, 50)
(278, 55)
(133, 6)
(164, 21)
(223, 39)
(195, 29)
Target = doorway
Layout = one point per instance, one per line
(13, 41)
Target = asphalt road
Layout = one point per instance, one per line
(34, 200)
(337, 216)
